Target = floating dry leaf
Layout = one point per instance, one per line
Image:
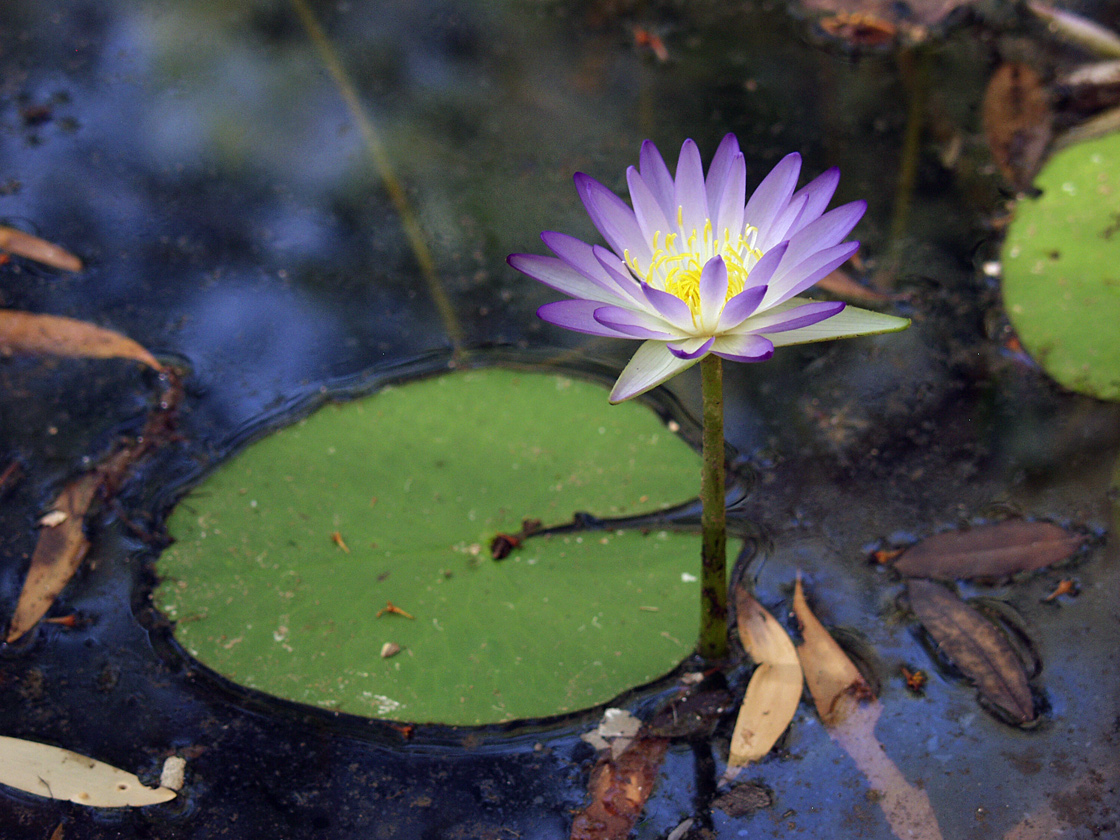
(57, 555)
(829, 672)
(25, 245)
(1017, 122)
(619, 788)
(775, 687)
(61, 774)
(61, 548)
(850, 711)
(975, 646)
(989, 551)
(55, 335)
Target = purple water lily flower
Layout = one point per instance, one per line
(695, 268)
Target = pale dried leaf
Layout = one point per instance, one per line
(61, 774)
(775, 687)
(829, 672)
(25, 245)
(57, 555)
(841, 284)
(1005, 548)
(54, 335)
(975, 646)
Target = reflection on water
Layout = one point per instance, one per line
(202, 160)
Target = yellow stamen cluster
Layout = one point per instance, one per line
(677, 263)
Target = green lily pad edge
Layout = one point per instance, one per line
(287, 558)
(1061, 269)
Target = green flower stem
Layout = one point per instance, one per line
(713, 518)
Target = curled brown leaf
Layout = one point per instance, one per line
(55, 335)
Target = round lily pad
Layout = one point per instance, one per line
(1061, 267)
(305, 561)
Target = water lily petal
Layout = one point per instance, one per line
(619, 275)
(690, 348)
(789, 282)
(652, 365)
(743, 348)
(850, 323)
(713, 292)
(773, 194)
(818, 193)
(807, 314)
(559, 275)
(741, 307)
(651, 218)
(691, 195)
(631, 323)
(656, 175)
(720, 168)
(614, 219)
(577, 315)
(825, 232)
(670, 307)
(728, 208)
(778, 229)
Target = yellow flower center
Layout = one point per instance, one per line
(678, 261)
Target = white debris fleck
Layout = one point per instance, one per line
(54, 518)
(174, 770)
(687, 578)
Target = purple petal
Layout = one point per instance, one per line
(649, 367)
(743, 348)
(633, 324)
(577, 315)
(825, 232)
(818, 193)
(670, 307)
(713, 291)
(720, 169)
(656, 175)
(773, 194)
(584, 259)
(764, 269)
(690, 348)
(793, 319)
(787, 283)
(741, 307)
(690, 196)
(619, 275)
(777, 230)
(559, 275)
(651, 218)
(612, 217)
(729, 208)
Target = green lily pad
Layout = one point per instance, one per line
(1061, 269)
(414, 482)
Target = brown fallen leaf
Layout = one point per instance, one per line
(25, 245)
(60, 548)
(989, 551)
(829, 672)
(975, 646)
(876, 23)
(850, 711)
(58, 553)
(55, 335)
(1017, 122)
(774, 691)
(619, 788)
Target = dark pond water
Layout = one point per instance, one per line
(232, 211)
